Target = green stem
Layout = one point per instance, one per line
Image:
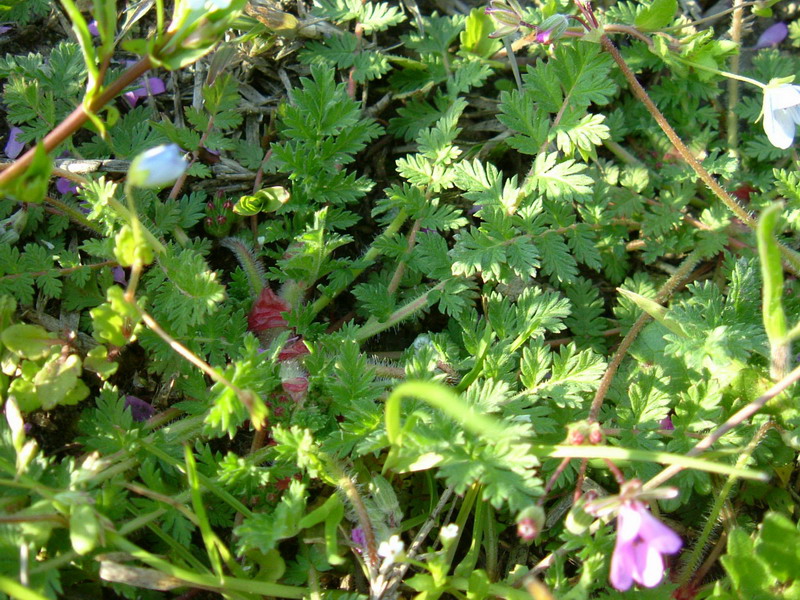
(219, 584)
(18, 591)
(733, 83)
(720, 72)
(790, 256)
(621, 454)
(373, 327)
(209, 484)
(76, 119)
(690, 565)
(663, 294)
(369, 257)
(73, 214)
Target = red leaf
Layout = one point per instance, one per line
(266, 312)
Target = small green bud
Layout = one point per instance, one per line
(578, 520)
(530, 522)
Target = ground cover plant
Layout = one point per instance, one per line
(362, 299)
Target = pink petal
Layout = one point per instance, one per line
(13, 147)
(649, 566)
(266, 312)
(622, 566)
(772, 36)
(629, 521)
(657, 535)
(293, 350)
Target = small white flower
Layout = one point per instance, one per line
(156, 167)
(781, 110)
(389, 550)
(449, 532)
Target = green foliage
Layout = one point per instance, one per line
(201, 386)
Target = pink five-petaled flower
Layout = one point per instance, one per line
(641, 541)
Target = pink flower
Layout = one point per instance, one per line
(641, 540)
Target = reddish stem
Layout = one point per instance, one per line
(77, 118)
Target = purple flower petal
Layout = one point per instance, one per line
(358, 537)
(772, 36)
(140, 410)
(641, 541)
(5, 29)
(649, 566)
(65, 186)
(119, 276)
(156, 85)
(93, 29)
(13, 147)
(666, 423)
(132, 98)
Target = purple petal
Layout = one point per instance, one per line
(132, 98)
(140, 410)
(13, 147)
(65, 186)
(772, 36)
(156, 85)
(5, 29)
(666, 423)
(119, 276)
(358, 537)
(93, 29)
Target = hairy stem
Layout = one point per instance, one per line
(736, 419)
(77, 118)
(790, 257)
(665, 292)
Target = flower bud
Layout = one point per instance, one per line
(578, 520)
(530, 523)
(157, 167)
(551, 29)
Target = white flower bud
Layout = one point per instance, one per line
(449, 532)
(781, 110)
(156, 167)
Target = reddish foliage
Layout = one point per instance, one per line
(293, 350)
(266, 312)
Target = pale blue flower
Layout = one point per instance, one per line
(157, 166)
(781, 111)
